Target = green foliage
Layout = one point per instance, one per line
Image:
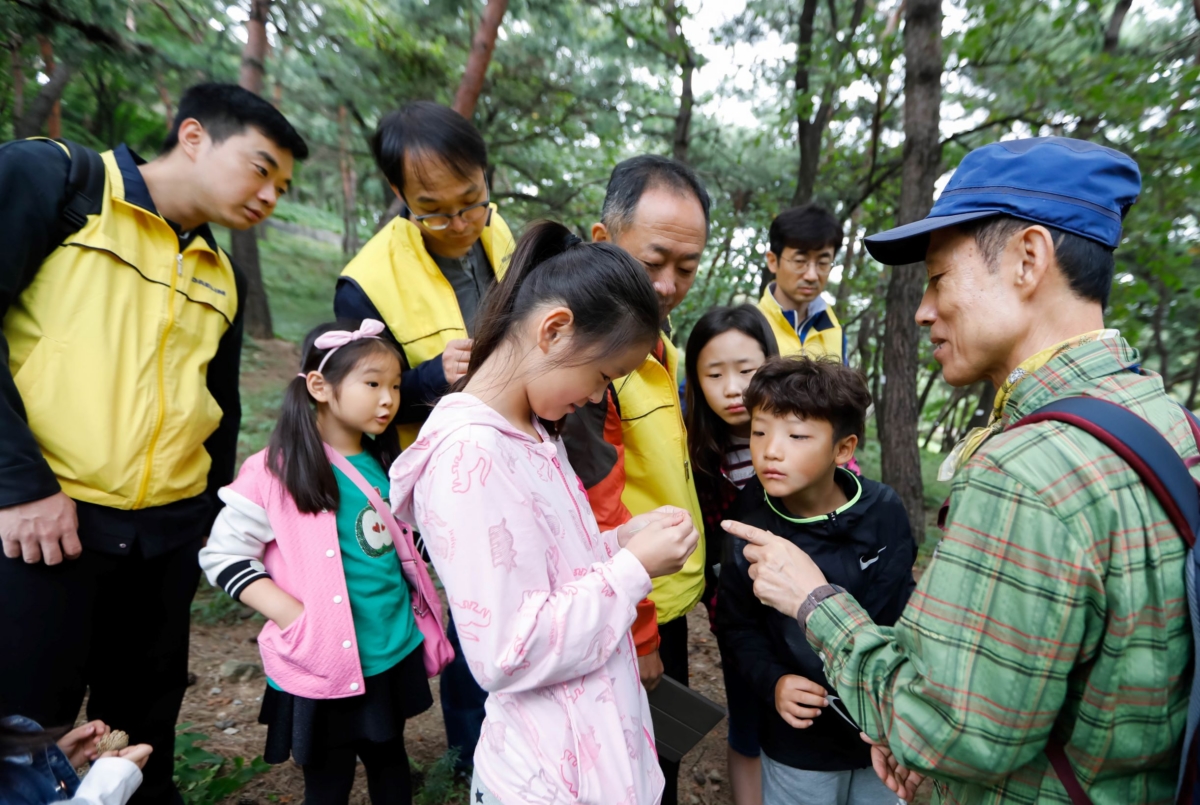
(439, 783)
(205, 778)
(212, 606)
(574, 87)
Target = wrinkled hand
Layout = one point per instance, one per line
(636, 524)
(783, 574)
(137, 754)
(799, 700)
(650, 668)
(455, 358)
(79, 745)
(901, 781)
(43, 530)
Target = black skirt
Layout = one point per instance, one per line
(304, 728)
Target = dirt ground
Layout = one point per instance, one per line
(213, 700)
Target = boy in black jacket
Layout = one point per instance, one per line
(807, 418)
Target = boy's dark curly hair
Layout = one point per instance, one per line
(820, 388)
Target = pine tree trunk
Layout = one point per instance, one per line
(687, 63)
(482, 46)
(922, 158)
(18, 79)
(244, 243)
(349, 186)
(54, 121)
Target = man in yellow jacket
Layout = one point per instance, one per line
(119, 409)
(424, 275)
(631, 450)
(803, 243)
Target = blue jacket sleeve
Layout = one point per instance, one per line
(420, 386)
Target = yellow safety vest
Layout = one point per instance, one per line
(658, 469)
(417, 302)
(109, 348)
(817, 342)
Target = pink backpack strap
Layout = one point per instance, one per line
(427, 608)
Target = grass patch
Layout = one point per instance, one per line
(299, 274)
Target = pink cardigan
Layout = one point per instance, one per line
(260, 532)
(543, 603)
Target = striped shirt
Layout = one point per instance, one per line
(1054, 604)
(738, 467)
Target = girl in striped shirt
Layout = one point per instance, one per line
(725, 349)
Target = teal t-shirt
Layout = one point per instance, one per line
(379, 596)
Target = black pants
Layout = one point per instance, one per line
(462, 705)
(115, 627)
(673, 651)
(389, 780)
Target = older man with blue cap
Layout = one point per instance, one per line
(1044, 656)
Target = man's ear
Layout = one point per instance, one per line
(843, 451)
(555, 325)
(191, 138)
(600, 233)
(1034, 255)
(772, 262)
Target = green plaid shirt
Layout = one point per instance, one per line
(1054, 604)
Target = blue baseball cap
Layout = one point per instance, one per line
(1072, 185)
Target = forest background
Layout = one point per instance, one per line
(863, 105)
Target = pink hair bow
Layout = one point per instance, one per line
(336, 339)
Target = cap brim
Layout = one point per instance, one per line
(907, 244)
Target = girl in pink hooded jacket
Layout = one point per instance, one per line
(543, 602)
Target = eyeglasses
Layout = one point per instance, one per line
(823, 264)
(472, 214)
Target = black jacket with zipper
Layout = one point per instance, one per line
(865, 547)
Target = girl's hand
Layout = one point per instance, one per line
(137, 754)
(79, 745)
(636, 524)
(287, 612)
(272, 602)
(664, 545)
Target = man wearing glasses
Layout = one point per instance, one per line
(424, 275)
(804, 242)
(426, 272)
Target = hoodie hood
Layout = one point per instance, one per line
(453, 412)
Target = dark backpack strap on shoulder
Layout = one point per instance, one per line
(85, 186)
(1145, 449)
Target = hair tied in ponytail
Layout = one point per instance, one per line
(571, 239)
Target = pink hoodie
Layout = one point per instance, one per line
(543, 603)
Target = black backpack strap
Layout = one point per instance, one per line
(85, 186)
(1160, 468)
(1152, 457)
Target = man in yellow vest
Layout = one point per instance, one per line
(425, 273)
(424, 276)
(631, 450)
(119, 408)
(803, 243)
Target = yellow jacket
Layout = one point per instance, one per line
(658, 468)
(415, 299)
(109, 347)
(822, 333)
